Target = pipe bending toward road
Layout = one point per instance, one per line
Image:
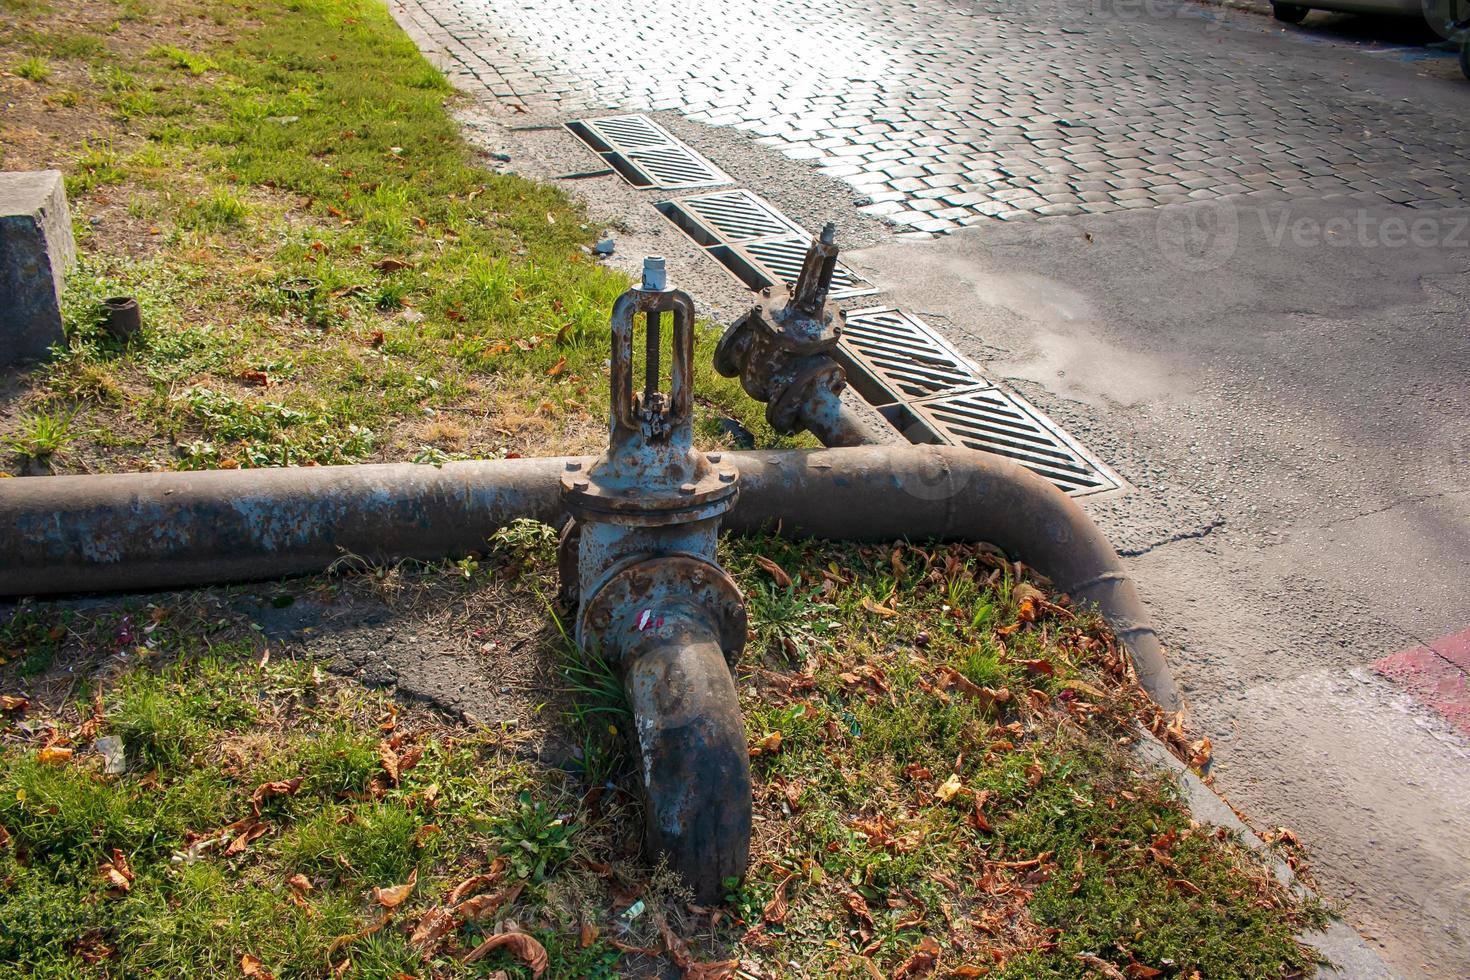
(882, 493)
(66, 534)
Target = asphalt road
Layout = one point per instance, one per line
(1231, 259)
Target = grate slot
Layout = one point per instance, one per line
(781, 259)
(996, 421)
(902, 355)
(738, 216)
(758, 244)
(645, 154)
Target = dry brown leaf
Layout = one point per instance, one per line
(921, 962)
(4, 837)
(391, 265)
(473, 884)
(557, 369)
(483, 905)
(776, 909)
(13, 702)
(769, 745)
(300, 883)
(589, 934)
(1200, 753)
(253, 830)
(949, 788)
(950, 679)
(873, 607)
(410, 758)
(389, 759)
(252, 967)
(431, 928)
(54, 754)
(775, 571)
(353, 937)
(978, 820)
(391, 898)
(1102, 966)
(719, 970)
(523, 947)
(265, 791)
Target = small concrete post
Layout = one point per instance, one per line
(36, 249)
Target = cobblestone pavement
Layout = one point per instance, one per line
(949, 114)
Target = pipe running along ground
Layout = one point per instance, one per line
(131, 532)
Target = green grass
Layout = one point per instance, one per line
(33, 69)
(41, 435)
(866, 810)
(316, 145)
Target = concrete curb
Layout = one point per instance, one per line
(1346, 952)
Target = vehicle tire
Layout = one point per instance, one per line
(693, 762)
(1289, 13)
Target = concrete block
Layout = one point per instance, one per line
(36, 249)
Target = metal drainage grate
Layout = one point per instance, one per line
(646, 154)
(999, 422)
(904, 357)
(757, 243)
(730, 216)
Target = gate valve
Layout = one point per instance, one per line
(781, 350)
(655, 604)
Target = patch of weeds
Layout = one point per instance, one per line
(535, 840)
(194, 64)
(41, 435)
(69, 45)
(217, 210)
(33, 69)
(96, 166)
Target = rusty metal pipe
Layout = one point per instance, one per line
(883, 493)
(689, 738)
(68, 534)
(137, 531)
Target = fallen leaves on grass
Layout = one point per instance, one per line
(13, 703)
(391, 898)
(775, 571)
(949, 788)
(949, 679)
(769, 745)
(519, 944)
(353, 937)
(776, 909)
(391, 264)
(921, 962)
(435, 924)
(252, 967)
(266, 791)
(483, 905)
(117, 873)
(249, 831)
(878, 609)
(476, 882)
(54, 754)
